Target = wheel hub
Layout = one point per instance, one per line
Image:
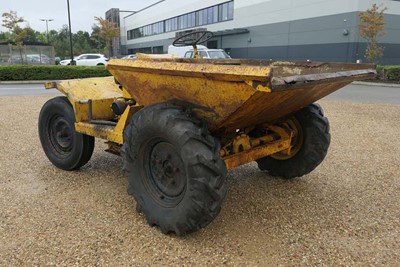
(167, 170)
(61, 134)
(297, 140)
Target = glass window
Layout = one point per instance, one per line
(158, 27)
(205, 16)
(191, 20)
(230, 10)
(218, 54)
(183, 21)
(209, 15)
(171, 24)
(214, 14)
(203, 54)
(189, 55)
(168, 25)
(224, 12)
(200, 17)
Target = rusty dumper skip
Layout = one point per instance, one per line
(180, 124)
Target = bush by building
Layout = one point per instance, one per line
(389, 73)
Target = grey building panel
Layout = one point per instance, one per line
(339, 21)
(392, 21)
(271, 29)
(318, 37)
(344, 52)
(324, 52)
(272, 52)
(267, 40)
(318, 30)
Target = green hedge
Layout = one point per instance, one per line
(35, 73)
(389, 73)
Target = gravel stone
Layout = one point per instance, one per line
(346, 212)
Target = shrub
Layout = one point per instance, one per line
(389, 73)
(32, 73)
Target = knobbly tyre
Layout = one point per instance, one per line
(180, 124)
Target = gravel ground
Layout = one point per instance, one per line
(346, 212)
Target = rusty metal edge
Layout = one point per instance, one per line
(304, 81)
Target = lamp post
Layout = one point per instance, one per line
(47, 27)
(70, 35)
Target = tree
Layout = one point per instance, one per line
(11, 20)
(108, 31)
(4, 36)
(61, 41)
(371, 27)
(95, 41)
(18, 34)
(82, 42)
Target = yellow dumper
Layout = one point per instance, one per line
(180, 124)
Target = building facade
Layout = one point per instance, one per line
(318, 30)
(113, 15)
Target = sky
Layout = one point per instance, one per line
(82, 12)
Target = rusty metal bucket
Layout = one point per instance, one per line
(234, 94)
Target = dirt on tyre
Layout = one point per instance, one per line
(63, 146)
(313, 140)
(174, 169)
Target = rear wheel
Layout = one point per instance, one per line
(309, 147)
(65, 148)
(174, 169)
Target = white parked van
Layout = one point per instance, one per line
(204, 52)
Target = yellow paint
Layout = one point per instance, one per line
(99, 131)
(238, 159)
(259, 87)
(245, 149)
(214, 91)
(91, 88)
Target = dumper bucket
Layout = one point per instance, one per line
(235, 94)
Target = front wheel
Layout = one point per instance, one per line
(65, 148)
(309, 147)
(174, 169)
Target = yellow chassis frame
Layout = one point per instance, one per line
(250, 153)
(94, 117)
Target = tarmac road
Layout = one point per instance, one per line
(25, 89)
(368, 93)
(345, 213)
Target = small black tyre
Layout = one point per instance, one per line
(174, 169)
(65, 148)
(315, 140)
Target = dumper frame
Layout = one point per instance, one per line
(180, 124)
